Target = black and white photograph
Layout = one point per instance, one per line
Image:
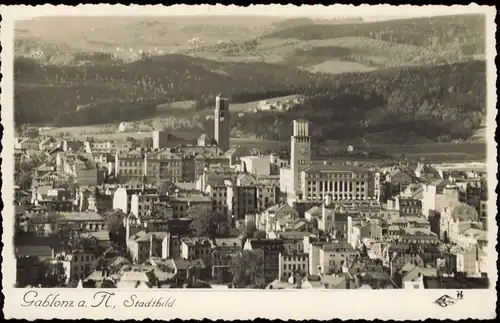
(251, 151)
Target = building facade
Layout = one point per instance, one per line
(340, 182)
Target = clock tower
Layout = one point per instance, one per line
(300, 151)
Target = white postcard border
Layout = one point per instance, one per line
(241, 304)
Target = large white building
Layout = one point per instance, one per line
(306, 181)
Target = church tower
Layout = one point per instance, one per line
(300, 151)
(221, 123)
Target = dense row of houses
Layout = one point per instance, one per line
(315, 226)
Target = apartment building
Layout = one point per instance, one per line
(341, 182)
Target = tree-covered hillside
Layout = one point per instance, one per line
(101, 93)
(466, 29)
(439, 103)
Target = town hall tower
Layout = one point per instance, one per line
(221, 123)
(300, 151)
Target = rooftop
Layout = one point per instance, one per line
(416, 271)
(221, 242)
(337, 246)
(81, 216)
(143, 236)
(291, 235)
(315, 211)
(337, 169)
(33, 251)
(190, 198)
(277, 207)
(184, 264)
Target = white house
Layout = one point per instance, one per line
(126, 127)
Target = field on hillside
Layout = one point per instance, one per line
(243, 107)
(128, 37)
(334, 66)
(266, 39)
(367, 52)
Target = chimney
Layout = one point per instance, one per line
(151, 244)
(81, 201)
(191, 277)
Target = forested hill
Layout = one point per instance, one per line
(438, 103)
(468, 30)
(83, 94)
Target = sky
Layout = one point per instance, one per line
(369, 13)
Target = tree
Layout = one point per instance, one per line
(464, 212)
(446, 239)
(166, 187)
(107, 283)
(249, 229)
(224, 228)
(24, 172)
(364, 250)
(52, 275)
(247, 269)
(89, 284)
(116, 229)
(209, 223)
(259, 234)
(147, 142)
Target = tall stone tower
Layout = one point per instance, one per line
(300, 151)
(221, 122)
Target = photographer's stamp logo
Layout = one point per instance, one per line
(447, 300)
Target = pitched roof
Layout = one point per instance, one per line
(332, 281)
(45, 167)
(291, 235)
(413, 274)
(335, 246)
(314, 211)
(184, 264)
(407, 267)
(100, 235)
(204, 136)
(143, 236)
(398, 170)
(221, 242)
(278, 207)
(34, 251)
(81, 216)
(441, 183)
(134, 276)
